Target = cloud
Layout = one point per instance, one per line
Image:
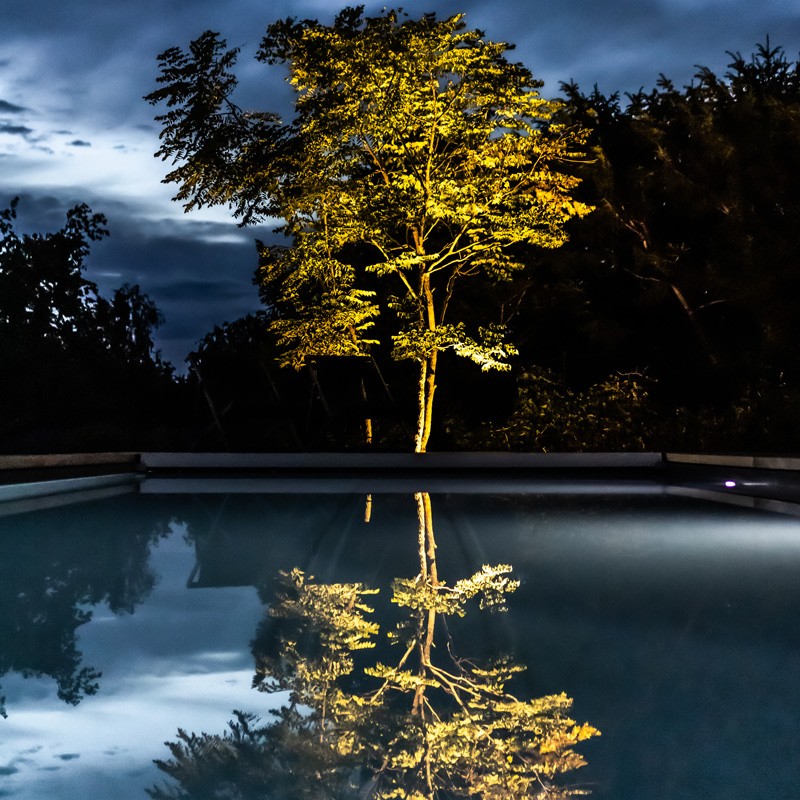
(15, 130)
(10, 108)
(79, 143)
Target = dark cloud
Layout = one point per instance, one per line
(39, 212)
(10, 108)
(196, 283)
(15, 130)
(85, 66)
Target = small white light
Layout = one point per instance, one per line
(730, 484)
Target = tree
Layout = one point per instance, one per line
(418, 157)
(694, 190)
(548, 415)
(127, 322)
(81, 364)
(43, 293)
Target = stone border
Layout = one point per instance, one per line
(57, 460)
(383, 460)
(398, 461)
(748, 462)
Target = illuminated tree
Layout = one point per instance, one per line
(418, 156)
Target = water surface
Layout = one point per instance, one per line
(672, 623)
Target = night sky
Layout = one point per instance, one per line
(74, 127)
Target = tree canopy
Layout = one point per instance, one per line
(418, 157)
(78, 360)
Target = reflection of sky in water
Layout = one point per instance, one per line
(672, 622)
(180, 659)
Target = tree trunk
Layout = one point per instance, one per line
(425, 392)
(367, 420)
(696, 326)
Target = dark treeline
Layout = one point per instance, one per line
(79, 370)
(668, 321)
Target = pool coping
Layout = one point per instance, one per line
(449, 461)
(133, 461)
(24, 477)
(13, 463)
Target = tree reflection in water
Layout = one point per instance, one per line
(48, 577)
(425, 724)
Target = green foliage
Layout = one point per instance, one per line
(490, 584)
(610, 415)
(418, 157)
(334, 615)
(488, 352)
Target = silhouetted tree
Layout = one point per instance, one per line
(686, 268)
(79, 370)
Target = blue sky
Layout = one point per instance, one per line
(74, 127)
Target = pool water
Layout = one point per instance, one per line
(672, 622)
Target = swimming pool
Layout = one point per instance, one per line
(670, 620)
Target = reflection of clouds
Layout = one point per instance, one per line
(10, 108)
(119, 733)
(152, 682)
(115, 735)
